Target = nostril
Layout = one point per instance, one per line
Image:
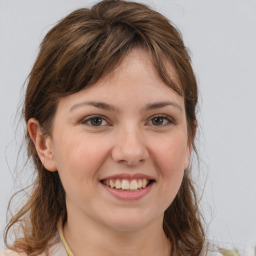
(129, 153)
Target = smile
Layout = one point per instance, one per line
(127, 185)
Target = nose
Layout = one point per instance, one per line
(130, 147)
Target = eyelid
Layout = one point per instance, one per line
(86, 119)
(166, 117)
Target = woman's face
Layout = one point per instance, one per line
(121, 146)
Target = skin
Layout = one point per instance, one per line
(128, 141)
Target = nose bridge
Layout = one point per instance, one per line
(130, 144)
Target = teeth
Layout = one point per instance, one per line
(144, 183)
(133, 185)
(139, 184)
(118, 184)
(125, 184)
(112, 183)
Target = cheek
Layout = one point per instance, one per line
(79, 156)
(170, 158)
(172, 153)
(78, 161)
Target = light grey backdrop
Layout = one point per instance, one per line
(221, 35)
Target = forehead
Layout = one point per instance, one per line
(139, 62)
(134, 79)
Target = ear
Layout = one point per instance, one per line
(190, 144)
(187, 156)
(43, 144)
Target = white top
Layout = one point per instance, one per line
(55, 250)
(60, 248)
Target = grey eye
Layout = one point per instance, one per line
(159, 120)
(96, 121)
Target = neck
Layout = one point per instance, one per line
(93, 239)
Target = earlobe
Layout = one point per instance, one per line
(43, 144)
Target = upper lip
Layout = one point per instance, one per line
(129, 176)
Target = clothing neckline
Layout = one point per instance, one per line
(63, 240)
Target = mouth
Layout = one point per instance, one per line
(127, 185)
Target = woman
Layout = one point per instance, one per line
(110, 112)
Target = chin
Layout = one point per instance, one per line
(132, 220)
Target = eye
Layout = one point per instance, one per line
(95, 121)
(160, 120)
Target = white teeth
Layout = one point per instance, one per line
(139, 184)
(112, 183)
(144, 183)
(125, 184)
(118, 184)
(133, 185)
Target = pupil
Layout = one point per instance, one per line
(158, 120)
(96, 121)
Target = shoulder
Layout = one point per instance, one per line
(11, 253)
(55, 249)
(211, 250)
(214, 254)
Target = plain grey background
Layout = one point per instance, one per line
(221, 35)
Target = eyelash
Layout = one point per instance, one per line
(168, 120)
(90, 119)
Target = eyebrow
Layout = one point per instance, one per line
(109, 107)
(157, 105)
(96, 104)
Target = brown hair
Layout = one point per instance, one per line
(76, 53)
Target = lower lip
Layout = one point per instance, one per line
(125, 195)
